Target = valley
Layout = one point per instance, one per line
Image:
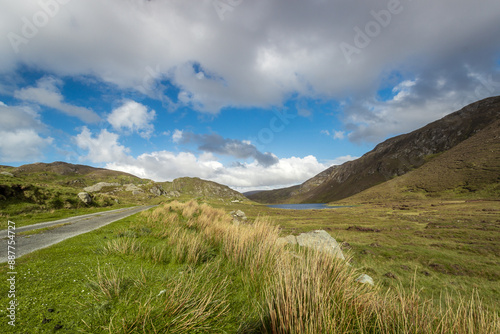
(420, 214)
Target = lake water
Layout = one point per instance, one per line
(311, 206)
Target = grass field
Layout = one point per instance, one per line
(449, 246)
(186, 268)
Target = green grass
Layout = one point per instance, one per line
(185, 268)
(450, 245)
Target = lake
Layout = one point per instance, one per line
(307, 206)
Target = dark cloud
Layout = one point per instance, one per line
(263, 51)
(215, 143)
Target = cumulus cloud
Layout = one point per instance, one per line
(47, 93)
(215, 143)
(265, 51)
(166, 166)
(262, 51)
(373, 120)
(133, 117)
(102, 148)
(20, 133)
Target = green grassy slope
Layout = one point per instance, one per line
(41, 191)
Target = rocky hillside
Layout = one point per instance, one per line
(196, 187)
(392, 158)
(41, 187)
(471, 169)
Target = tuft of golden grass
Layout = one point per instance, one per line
(124, 245)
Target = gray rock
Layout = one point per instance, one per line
(98, 186)
(85, 198)
(156, 190)
(319, 239)
(133, 188)
(365, 279)
(7, 174)
(174, 193)
(238, 217)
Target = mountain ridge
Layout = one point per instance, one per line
(392, 158)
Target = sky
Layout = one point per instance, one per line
(253, 94)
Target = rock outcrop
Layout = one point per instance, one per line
(157, 191)
(85, 198)
(98, 186)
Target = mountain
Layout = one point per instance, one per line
(399, 155)
(469, 169)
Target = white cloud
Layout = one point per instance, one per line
(47, 93)
(102, 148)
(342, 159)
(177, 136)
(335, 134)
(134, 117)
(20, 133)
(263, 52)
(166, 166)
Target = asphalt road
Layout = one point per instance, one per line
(73, 227)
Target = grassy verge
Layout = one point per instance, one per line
(186, 268)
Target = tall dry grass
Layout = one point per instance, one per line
(304, 291)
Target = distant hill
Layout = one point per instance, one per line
(196, 187)
(50, 186)
(398, 156)
(73, 175)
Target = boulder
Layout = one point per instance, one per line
(98, 186)
(85, 198)
(238, 216)
(365, 279)
(318, 239)
(7, 174)
(156, 190)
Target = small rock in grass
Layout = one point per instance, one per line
(365, 279)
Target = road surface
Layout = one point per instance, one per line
(73, 226)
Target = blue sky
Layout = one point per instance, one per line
(252, 94)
